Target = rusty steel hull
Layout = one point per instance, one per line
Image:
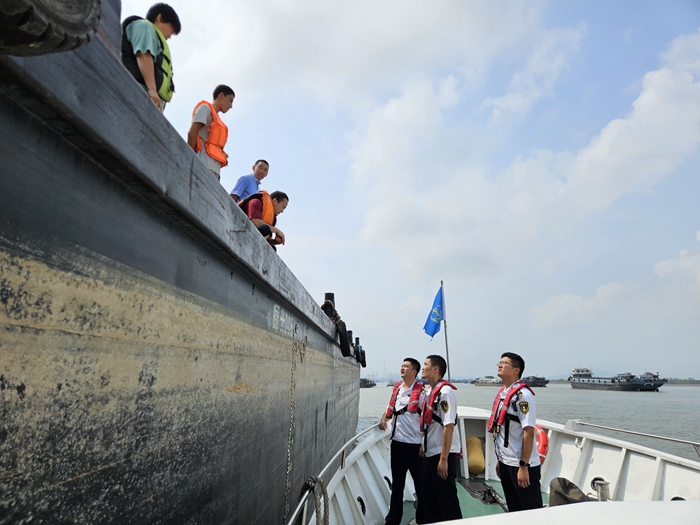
(158, 362)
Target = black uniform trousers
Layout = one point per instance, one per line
(517, 497)
(441, 501)
(404, 457)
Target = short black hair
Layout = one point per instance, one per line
(516, 361)
(279, 196)
(414, 363)
(167, 15)
(223, 88)
(261, 160)
(439, 361)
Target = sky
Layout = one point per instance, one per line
(540, 158)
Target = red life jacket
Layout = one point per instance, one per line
(430, 405)
(413, 403)
(218, 135)
(500, 406)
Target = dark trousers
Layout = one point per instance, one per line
(517, 497)
(441, 501)
(404, 457)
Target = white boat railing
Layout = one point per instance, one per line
(342, 454)
(572, 424)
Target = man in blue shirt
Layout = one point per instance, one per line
(249, 184)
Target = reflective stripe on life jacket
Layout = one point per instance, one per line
(499, 411)
(413, 403)
(218, 135)
(268, 209)
(162, 63)
(429, 408)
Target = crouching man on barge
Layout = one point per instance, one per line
(404, 409)
(513, 426)
(440, 443)
(262, 209)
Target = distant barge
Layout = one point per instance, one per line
(582, 378)
(535, 381)
(488, 381)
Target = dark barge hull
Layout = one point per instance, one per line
(159, 362)
(604, 384)
(652, 386)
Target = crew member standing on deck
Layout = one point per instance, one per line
(404, 409)
(440, 443)
(513, 426)
(208, 133)
(145, 51)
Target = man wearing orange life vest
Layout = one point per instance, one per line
(404, 409)
(512, 423)
(208, 134)
(262, 209)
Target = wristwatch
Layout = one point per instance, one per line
(523, 464)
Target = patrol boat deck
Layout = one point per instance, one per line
(642, 481)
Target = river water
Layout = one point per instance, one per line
(672, 412)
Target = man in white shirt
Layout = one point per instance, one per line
(513, 425)
(404, 409)
(440, 443)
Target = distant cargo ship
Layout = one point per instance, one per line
(582, 378)
(533, 381)
(488, 381)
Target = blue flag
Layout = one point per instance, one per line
(436, 315)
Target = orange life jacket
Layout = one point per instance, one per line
(413, 403)
(430, 405)
(218, 135)
(499, 411)
(268, 209)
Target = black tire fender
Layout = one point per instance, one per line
(344, 342)
(38, 27)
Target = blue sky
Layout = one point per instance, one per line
(539, 157)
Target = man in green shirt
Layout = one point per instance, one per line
(145, 51)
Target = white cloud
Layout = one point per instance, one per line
(553, 50)
(687, 265)
(473, 221)
(575, 308)
(342, 51)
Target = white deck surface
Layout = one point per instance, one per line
(594, 513)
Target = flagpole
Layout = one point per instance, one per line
(444, 320)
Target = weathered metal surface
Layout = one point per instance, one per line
(158, 361)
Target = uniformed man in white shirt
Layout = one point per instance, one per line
(440, 443)
(404, 410)
(514, 431)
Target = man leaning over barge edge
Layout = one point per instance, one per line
(262, 209)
